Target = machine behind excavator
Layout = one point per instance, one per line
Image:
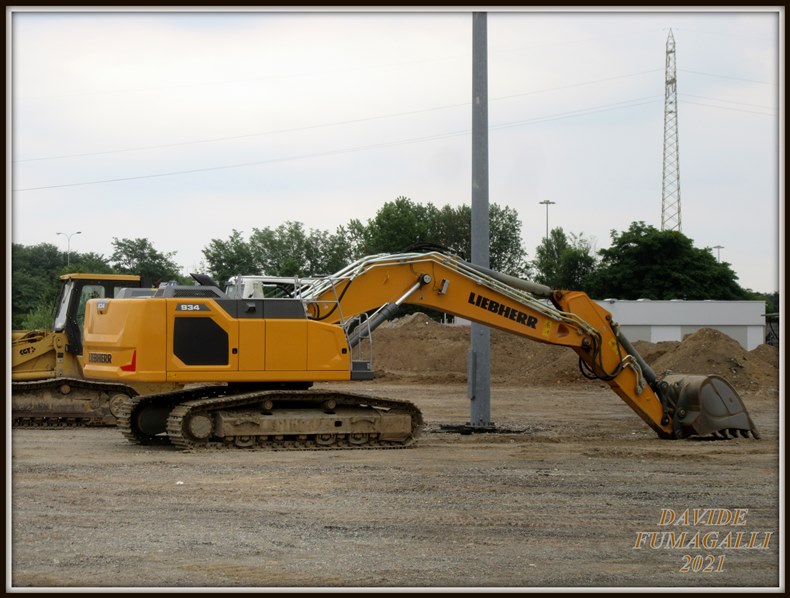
(49, 388)
(255, 359)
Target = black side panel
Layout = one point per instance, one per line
(292, 309)
(230, 306)
(249, 308)
(284, 308)
(200, 341)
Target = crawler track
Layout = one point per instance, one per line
(173, 417)
(66, 403)
(128, 420)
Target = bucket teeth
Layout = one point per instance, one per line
(708, 407)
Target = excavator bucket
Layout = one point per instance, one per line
(708, 406)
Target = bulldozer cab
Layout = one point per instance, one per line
(75, 291)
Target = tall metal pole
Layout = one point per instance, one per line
(547, 203)
(479, 360)
(670, 187)
(68, 245)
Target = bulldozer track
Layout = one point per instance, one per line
(28, 397)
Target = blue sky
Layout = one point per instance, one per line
(183, 126)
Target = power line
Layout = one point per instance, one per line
(558, 116)
(245, 136)
(326, 125)
(688, 95)
(358, 120)
(542, 119)
(728, 108)
(727, 77)
(607, 107)
(582, 112)
(254, 163)
(571, 85)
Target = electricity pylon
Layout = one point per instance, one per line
(670, 190)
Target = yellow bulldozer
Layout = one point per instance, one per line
(48, 385)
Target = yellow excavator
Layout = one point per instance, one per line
(251, 362)
(48, 387)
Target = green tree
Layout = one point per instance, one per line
(90, 263)
(289, 250)
(40, 317)
(564, 263)
(34, 281)
(453, 229)
(138, 256)
(229, 258)
(32, 293)
(771, 301)
(356, 234)
(326, 253)
(644, 262)
(399, 225)
(402, 223)
(506, 250)
(280, 251)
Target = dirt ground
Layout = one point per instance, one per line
(570, 491)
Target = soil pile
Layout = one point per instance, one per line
(708, 351)
(416, 348)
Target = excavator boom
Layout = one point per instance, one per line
(676, 407)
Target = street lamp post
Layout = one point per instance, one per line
(68, 245)
(547, 203)
(718, 249)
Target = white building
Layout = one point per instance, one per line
(655, 321)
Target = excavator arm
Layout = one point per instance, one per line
(674, 407)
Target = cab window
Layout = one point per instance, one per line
(89, 291)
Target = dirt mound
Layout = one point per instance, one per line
(415, 320)
(708, 351)
(416, 348)
(766, 353)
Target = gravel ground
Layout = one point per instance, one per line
(556, 498)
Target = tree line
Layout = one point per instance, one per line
(641, 262)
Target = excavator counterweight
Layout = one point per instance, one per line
(251, 361)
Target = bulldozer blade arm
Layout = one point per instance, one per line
(708, 406)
